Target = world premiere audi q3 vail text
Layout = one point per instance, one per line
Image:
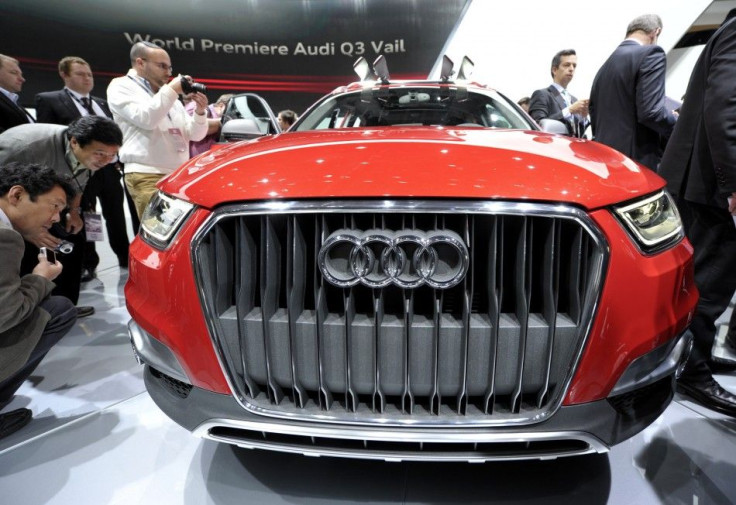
(414, 271)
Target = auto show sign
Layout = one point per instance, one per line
(290, 51)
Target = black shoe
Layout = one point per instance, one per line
(84, 311)
(14, 420)
(709, 394)
(88, 275)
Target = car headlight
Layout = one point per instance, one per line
(162, 218)
(653, 221)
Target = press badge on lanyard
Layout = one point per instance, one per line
(180, 143)
(93, 227)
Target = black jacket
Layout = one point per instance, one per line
(58, 107)
(699, 163)
(11, 114)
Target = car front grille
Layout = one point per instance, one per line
(497, 347)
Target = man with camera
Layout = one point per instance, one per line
(32, 198)
(86, 145)
(156, 128)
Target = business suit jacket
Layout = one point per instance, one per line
(699, 163)
(40, 143)
(627, 102)
(22, 321)
(547, 103)
(11, 114)
(58, 107)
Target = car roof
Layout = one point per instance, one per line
(362, 85)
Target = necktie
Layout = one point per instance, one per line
(565, 96)
(88, 105)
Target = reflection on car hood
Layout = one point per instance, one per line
(414, 162)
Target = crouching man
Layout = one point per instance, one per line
(32, 198)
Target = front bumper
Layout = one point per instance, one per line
(574, 430)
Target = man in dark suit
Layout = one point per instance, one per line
(64, 106)
(555, 102)
(31, 322)
(699, 165)
(627, 101)
(11, 82)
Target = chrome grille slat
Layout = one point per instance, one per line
(523, 279)
(500, 347)
(379, 401)
(551, 276)
(324, 394)
(462, 396)
(351, 399)
(296, 268)
(495, 287)
(407, 399)
(270, 255)
(245, 269)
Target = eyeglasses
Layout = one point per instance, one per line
(162, 66)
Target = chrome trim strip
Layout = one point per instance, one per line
(405, 206)
(595, 445)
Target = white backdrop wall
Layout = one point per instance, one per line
(512, 42)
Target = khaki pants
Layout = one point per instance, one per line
(141, 187)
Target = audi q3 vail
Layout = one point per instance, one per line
(414, 271)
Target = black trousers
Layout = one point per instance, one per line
(105, 185)
(712, 232)
(63, 316)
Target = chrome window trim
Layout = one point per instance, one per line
(513, 208)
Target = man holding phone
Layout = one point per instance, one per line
(32, 198)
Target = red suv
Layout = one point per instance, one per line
(413, 272)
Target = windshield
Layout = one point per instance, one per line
(414, 106)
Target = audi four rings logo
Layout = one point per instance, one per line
(404, 258)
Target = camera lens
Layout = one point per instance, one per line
(65, 247)
(189, 86)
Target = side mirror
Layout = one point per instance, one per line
(553, 126)
(240, 129)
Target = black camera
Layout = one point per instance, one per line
(189, 86)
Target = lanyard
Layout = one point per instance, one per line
(90, 110)
(149, 91)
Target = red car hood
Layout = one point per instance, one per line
(413, 162)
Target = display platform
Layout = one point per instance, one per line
(97, 438)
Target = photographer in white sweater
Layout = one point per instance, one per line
(156, 128)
